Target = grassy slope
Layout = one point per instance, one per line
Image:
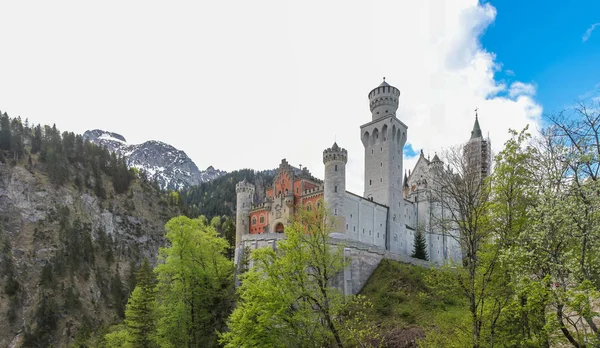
(405, 307)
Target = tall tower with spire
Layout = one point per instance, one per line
(383, 139)
(477, 151)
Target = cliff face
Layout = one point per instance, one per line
(67, 257)
(171, 167)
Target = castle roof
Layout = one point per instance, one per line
(335, 146)
(436, 158)
(384, 84)
(476, 132)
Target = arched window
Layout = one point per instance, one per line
(279, 228)
(375, 138)
(254, 220)
(261, 219)
(365, 138)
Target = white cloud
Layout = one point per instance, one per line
(589, 31)
(519, 88)
(509, 72)
(244, 84)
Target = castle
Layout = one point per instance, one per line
(381, 222)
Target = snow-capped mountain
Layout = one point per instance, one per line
(171, 167)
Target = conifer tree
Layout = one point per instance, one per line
(36, 142)
(420, 245)
(5, 133)
(140, 313)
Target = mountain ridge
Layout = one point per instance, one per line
(169, 166)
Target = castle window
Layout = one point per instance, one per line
(354, 228)
(346, 227)
(381, 150)
(335, 211)
(380, 179)
(335, 189)
(370, 182)
(381, 164)
(336, 167)
(371, 151)
(254, 220)
(297, 190)
(262, 219)
(363, 231)
(351, 216)
(369, 232)
(377, 234)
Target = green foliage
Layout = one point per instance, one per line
(118, 337)
(420, 245)
(191, 296)
(290, 293)
(194, 291)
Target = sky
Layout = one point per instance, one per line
(243, 84)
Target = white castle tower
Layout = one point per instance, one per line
(245, 196)
(384, 138)
(335, 159)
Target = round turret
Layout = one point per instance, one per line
(383, 100)
(335, 153)
(335, 159)
(245, 197)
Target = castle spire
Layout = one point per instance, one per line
(476, 132)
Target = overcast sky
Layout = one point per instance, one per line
(243, 84)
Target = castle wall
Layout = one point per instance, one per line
(256, 226)
(366, 221)
(363, 259)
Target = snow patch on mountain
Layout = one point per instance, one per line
(171, 167)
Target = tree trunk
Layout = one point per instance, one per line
(566, 333)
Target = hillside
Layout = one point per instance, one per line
(405, 307)
(218, 197)
(75, 224)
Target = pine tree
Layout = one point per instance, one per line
(140, 313)
(420, 245)
(5, 132)
(36, 142)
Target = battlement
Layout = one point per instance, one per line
(244, 186)
(335, 153)
(384, 100)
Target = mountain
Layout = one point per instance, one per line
(171, 167)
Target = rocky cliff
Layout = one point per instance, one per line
(171, 167)
(67, 256)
